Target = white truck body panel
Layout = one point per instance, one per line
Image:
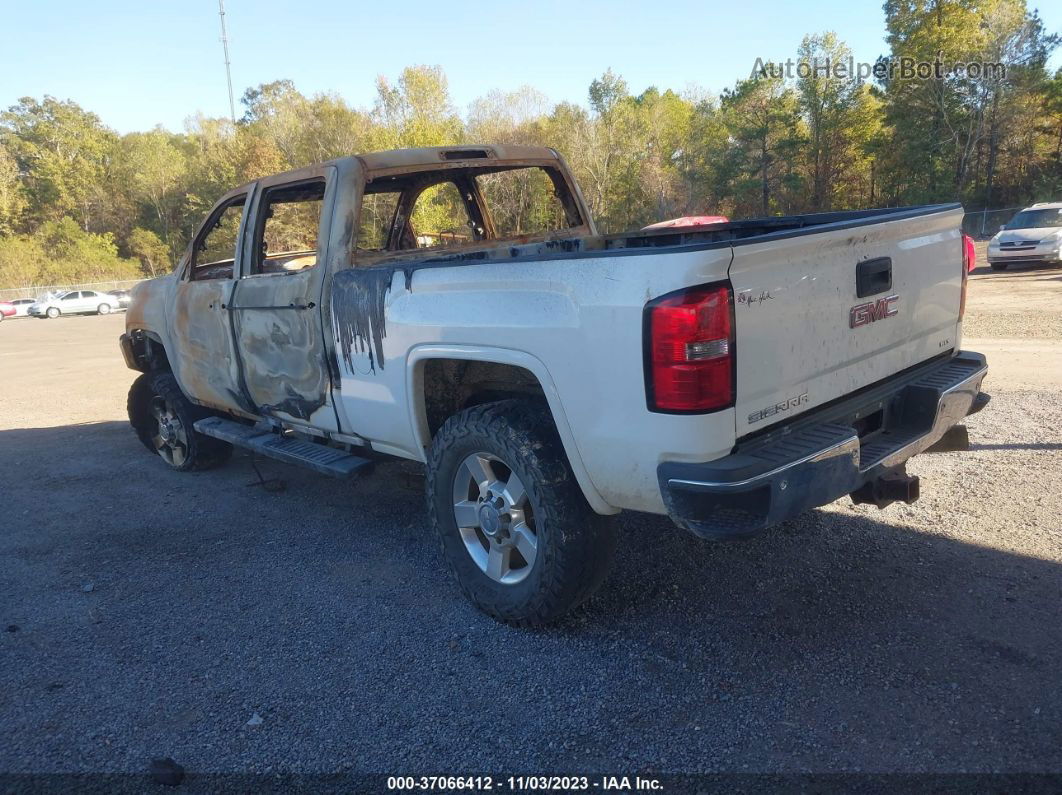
(793, 298)
(582, 319)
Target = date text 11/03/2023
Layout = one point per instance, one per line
(542, 783)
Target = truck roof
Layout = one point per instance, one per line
(436, 155)
(467, 155)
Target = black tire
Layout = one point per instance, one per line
(575, 545)
(103, 309)
(52, 313)
(202, 452)
(998, 266)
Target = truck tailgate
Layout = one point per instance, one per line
(812, 326)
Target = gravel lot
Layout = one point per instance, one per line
(152, 614)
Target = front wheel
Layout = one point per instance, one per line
(103, 309)
(514, 526)
(164, 420)
(52, 312)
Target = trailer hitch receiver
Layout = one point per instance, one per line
(887, 489)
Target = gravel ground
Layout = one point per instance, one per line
(152, 614)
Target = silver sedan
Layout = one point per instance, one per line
(74, 302)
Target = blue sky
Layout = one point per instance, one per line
(138, 64)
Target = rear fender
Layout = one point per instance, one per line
(419, 421)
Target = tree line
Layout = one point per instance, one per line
(79, 202)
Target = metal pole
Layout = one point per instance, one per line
(228, 70)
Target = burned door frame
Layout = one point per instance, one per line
(206, 361)
(277, 319)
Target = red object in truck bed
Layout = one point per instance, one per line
(689, 220)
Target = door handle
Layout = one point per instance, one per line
(873, 276)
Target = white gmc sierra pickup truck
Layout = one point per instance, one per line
(457, 306)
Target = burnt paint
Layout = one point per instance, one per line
(358, 296)
(280, 344)
(279, 381)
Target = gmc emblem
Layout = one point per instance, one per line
(872, 311)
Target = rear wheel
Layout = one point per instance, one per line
(103, 309)
(52, 312)
(514, 526)
(164, 420)
(998, 266)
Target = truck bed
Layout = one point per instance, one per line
(794, 281)
(732, 233)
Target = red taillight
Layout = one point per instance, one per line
(969, 259)
(690, 350)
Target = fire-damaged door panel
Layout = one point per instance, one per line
(206, 361)
(275, 308)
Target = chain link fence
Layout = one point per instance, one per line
(38, 290)
(982, 224)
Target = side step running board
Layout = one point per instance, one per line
(318, 457)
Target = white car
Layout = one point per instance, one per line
(1034, 235)
(22, 306)
(74, 302)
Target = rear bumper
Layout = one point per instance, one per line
(826, 454)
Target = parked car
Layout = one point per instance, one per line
(7, 309)
(74, 302)
(546, 375)
(1032, 236)
(124, 299)
(22, 306)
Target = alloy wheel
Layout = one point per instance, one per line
(495, 518)
(170, 437)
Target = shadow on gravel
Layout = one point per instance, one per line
(155, 613)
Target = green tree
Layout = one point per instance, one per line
(709, 169)
(949, 131)
(761, 115)
(155, 170)
(63, 151)
(840, 115)
(417, 111)
(12, 196)
(154, 255)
